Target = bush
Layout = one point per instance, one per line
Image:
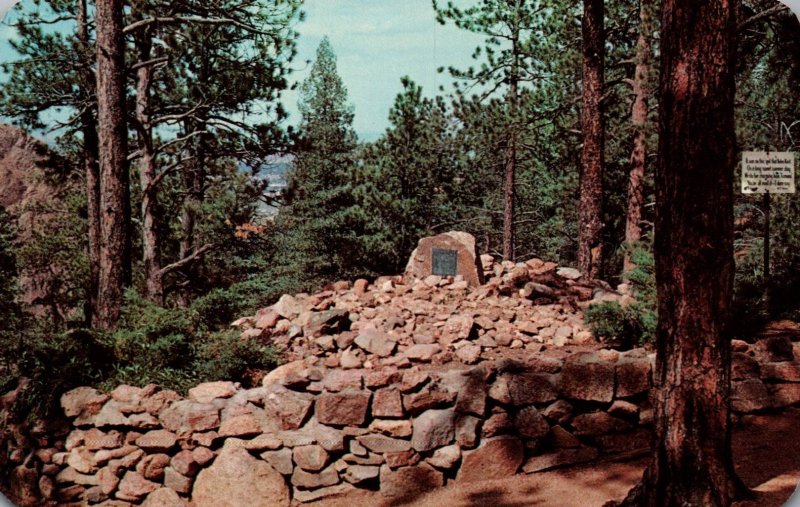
(634, 324)
(176, 348)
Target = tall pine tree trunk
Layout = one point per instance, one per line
(113, 152)
(692, 463)
(151, 247)
(91, 170)
(633, 223)
(590, 236)
(509, 190)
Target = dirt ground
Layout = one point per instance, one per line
(766, 452)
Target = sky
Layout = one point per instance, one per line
(376, 43)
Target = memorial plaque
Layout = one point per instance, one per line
(768, 172)
(444, 262)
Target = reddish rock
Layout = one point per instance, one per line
(413, 380)
(152, 466)
(408, 483)
(244, 425)
(498, 424)
(303, 479)
(202, 455)
(95, 439)
(360, 286)
(559, 458)
(382, 377)
(494, 459)
(157, 441)
(744, 367)
(289, 408)
(237, 479)
(467, 429)
(185, 464)
(340, 380)
(82, 460)
(783, 372)
(387, 403)
(356, 474)
(348, 408)
(177, 482)
(750, 396)
(598, 423)
(430, 398)
(401, 458)
(633, 377)
(392, 427)
(432, 429)
(134, 487)
(82, 400)
(471, 397)
(560, 411)
(163, 497)
(312, 458)
(382, 444)
(528, 388)
(185, 417)
(210, 391)
(530, 423)
(784, 395)
(587, 381)
(774, 349)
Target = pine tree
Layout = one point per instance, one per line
(320, 218)
(406, 185)
(692, 463)
(511, 60)
(590, 241)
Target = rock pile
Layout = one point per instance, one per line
(398, 321)
(310, 431)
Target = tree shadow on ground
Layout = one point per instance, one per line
(767, 456)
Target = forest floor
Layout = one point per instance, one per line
(766, 452)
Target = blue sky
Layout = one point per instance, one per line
(376, 43)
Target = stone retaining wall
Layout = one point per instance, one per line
(310, 432)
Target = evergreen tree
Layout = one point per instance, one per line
(408, 180)
(320, 219)
(512, 59)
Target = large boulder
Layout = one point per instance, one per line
(457, 245)
(236, 478)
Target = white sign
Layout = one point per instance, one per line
(767, 172)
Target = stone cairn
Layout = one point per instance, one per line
(398, 386)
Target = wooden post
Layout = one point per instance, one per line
(767, 218)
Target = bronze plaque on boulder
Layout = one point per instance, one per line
(445, 262)
(449, 254)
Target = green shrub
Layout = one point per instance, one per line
(178, 347)
(634, 324)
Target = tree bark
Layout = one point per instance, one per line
(633, 227)
(590, 236)
(691, 464)
(151, 244)
(91, 170)
(194, 182)
(114, 179)
(509, 191)
(510, 165)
